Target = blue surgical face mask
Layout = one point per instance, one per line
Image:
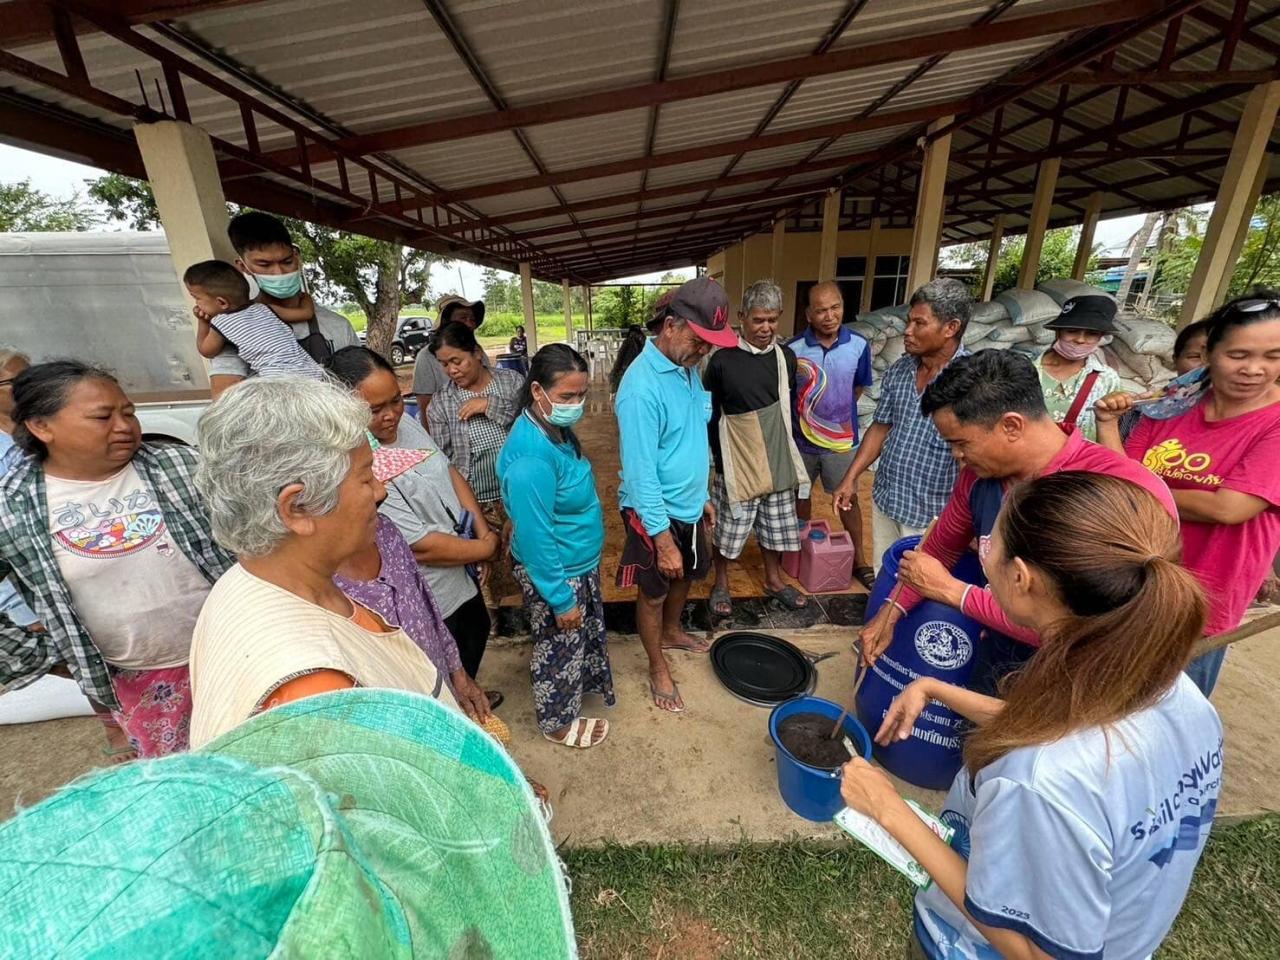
(282, 286)
(562, 414)
(565, 414)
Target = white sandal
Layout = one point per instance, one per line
(580, 733)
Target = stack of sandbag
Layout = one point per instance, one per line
(985, 318)
(1141, 351)
(1064, 289)
(1145, 345)
(875, 336)
(1028, 307)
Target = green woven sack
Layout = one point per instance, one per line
(362, 824)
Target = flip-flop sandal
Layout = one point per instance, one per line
(720, 598)
(673, 696)
(580, 733)
(865, 576)
(789, 597)
(495, 698)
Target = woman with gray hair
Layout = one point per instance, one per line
(288, 477)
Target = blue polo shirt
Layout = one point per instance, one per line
(662, 412)
(826, 406)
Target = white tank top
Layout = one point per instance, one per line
(253, 636)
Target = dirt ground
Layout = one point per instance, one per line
(705, 775)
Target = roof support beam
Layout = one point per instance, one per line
(35, 21)
(896, 50)
(1116, 78)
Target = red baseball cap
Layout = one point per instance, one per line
(704, 304)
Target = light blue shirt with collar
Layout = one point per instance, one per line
(663, 411)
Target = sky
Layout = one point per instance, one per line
(61, 178)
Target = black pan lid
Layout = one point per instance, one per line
(761, 668)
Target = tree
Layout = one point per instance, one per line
(126, 200)
(23, 208)
(378, 276)
(501, 291)
(1057, 257)
(1259, 263)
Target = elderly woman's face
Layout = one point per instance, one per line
(1245, 363)
(95, 429)
(462, 367)
(346, 529)
(381, 390)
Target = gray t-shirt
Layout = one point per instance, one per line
(422, 501)
(428, 376)
(334, 327)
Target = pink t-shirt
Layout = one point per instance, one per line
(975, 503)
(1243, 454)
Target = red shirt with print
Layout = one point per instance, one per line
(1243, 454)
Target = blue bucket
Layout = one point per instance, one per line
(812, 792)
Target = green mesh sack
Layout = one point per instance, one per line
(361, 824)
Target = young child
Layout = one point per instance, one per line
(261, 333)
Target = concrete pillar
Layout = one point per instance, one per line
(1046, 182)
(1233, 206)
(183, 173)
(869, 274)
(930, 206)
(526, 300)
(1092, 210)
(777, 253)
(568, 310)
(830, 229)
(993, 258)
(586, 304)
(735, 273)
(1237, 246)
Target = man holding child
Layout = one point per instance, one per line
(266, 253)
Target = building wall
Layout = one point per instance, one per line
(742, 264)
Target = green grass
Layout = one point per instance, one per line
(819, 900)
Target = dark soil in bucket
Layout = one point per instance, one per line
(807, 738)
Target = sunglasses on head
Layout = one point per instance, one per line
(1244, 306)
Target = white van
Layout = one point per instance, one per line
(110, 299)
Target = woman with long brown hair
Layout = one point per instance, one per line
(1089, 788)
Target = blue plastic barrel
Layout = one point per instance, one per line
(933, 640)
(812, 792)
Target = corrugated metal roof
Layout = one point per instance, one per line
(344, 69)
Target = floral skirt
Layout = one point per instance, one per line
(567, 664)
(155, 709)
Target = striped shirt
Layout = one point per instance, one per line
(265, 342)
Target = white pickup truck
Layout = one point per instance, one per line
(111, 299)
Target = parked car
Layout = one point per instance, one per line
(412, 334)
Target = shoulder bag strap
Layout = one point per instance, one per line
(1073, 414)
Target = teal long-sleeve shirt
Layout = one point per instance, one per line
(557, 522)
(663, 411)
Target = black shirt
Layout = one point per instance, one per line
(741, 382)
